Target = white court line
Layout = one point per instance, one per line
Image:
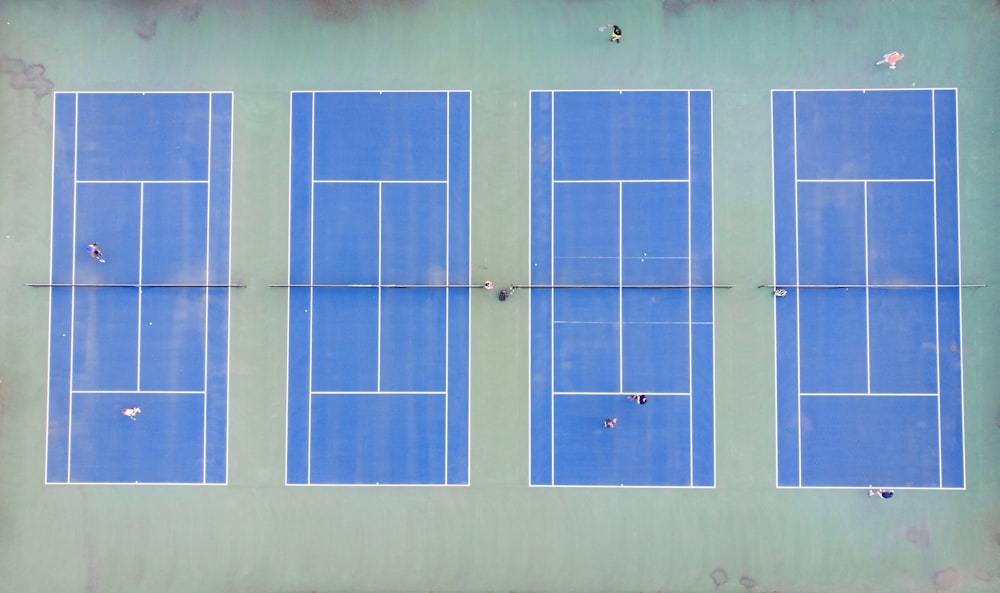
(622, 180)
(643, 323)
(958, 244)
(865, 488)
(288, 275)
(690, 306)
(865, 90)
(869, 394)
(135, 181)
(381, 91)
(377, 393)
(135, 392)
(386, 181)
(138, 337)
(864, 181)
(937, 302)
(552, 301)
(52, 233)
(229, 271)
(378, 327)
(868, 306)
(366, 485)
(136, 484)
(621, 299)
(447, 272)
(468, 293)
(621, 393)
(626, 486)
(103, 92)
(72, 308)
(611, 257)
(208, 297)
(312, 250)
(619, 91)
(531, 298)
(774, 302)
(798, 298)
(711, 132)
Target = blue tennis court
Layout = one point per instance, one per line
(379, 288)
(869, 344)
(147, 177)
(622, 298)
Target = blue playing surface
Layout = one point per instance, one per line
(869, 374)
(378, 376)
(147, 176)
(621, 199)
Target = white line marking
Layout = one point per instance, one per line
(72, 307)
(468, 295)
(612, 181)
(798, 297)
(386, 181)
(229, 272)
(619, 393)
(616, 91)
(621, 281)
(288, 271)
(208, 296)
(138, 337)
(377, 393)
(937, 302)
(378, 327)
(958, 244)
(868, 306)
(774, 302)
(52, 255)
(552, 292)
(690, 305)
(312, 240)
(711, 153)
(869, 394)
(447, 273)
(134, 181)
(135, 392)
(531, 298)
(864, 181)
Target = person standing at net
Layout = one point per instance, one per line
(639, 398)
(616, 32)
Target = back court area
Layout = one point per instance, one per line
(281, 370)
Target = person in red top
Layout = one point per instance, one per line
(890, 58)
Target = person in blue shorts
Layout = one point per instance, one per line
(881, 492)
(95, 252)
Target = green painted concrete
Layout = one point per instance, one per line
(256, 535)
